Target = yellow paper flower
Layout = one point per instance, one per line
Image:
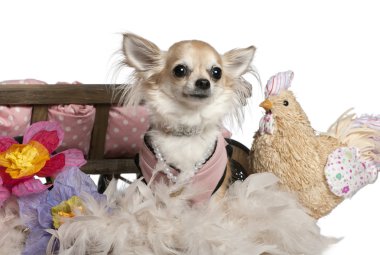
(66, 209)
(23, 160)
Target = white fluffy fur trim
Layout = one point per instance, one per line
(11, 237)
(254, 217)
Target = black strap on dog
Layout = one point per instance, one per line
(238, 173)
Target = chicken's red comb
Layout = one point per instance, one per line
(278, 82)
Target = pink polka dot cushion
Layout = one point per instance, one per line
(15, 120)
(126, 129)
(77, 122)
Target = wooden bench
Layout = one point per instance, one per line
(101, 96)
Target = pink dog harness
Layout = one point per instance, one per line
(205, 180)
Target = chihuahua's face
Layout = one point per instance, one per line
(191, 74)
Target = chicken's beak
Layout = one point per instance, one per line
(267, 105)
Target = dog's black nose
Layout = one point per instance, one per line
(202, 84)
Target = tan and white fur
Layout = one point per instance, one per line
(182, 89)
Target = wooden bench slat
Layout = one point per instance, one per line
(110, 166)
(58, 94)
(39, 113)
(98, 136)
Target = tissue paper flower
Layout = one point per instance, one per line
(20, 163)
(50, 209)
(67, 209)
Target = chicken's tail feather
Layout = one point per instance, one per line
(362, 132)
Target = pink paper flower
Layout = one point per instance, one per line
(20, 163)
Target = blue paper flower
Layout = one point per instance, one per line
(36, 209)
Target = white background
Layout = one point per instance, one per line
(332, 46)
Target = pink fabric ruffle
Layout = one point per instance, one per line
(278, 82)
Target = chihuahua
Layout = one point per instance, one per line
(188, 91)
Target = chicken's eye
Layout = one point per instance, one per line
(286, 103)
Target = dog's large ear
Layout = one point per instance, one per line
(140, 53)
(237, 61)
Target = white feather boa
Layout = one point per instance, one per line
(254, 217)
(12, 237)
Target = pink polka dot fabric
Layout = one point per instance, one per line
(126, 126)
(77, 122)
(15, 120)
(126, 129)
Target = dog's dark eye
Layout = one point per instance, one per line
(286, 103)
(180, 71)
(216, 73)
